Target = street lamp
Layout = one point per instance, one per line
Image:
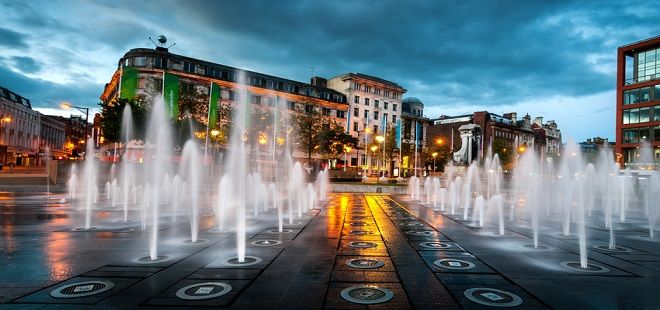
(373, 153)
(380, 140)
(68, 106)
(434, 155)
(347, 149)
(5, 119)
(438, 141)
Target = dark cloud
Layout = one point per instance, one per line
(25, 64)
(45, 94)
(12, 39)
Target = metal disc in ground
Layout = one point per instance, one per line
(453, 264)
(538, 247)
(422, 233)
(206, 290)
(148, 260)
(435, 245)
(617, 249)
(198, 241)
(362, 244)
(233, 261)
(277, 231)
(492, 297)
(82, 289)
(576, 266)
(85, 229)
(360, 232)
(364, 263)
(413, 224)
(366, 295)
(266, 242)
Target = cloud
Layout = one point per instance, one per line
(12, 39)
(25, 64)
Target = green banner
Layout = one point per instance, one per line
(129, 81)
(213, 106)
(171, 94)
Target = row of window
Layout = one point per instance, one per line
(254, 80)
(376, 91)
(376, 114)
(644, 94)
(648, 65)
(638, 135)
(367, 101)
(641, 115)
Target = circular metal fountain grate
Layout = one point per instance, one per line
(411, 224)
(205, 290)
(148, 260)
(82, 289)
(233, 261)
(277, 231)
(360, 232)
(421, 233)
(365, 263)
(360, 217)
(362, 244)
(85, 229)
(592, 268)
(492, 297)
(617, 249)
(435, 245)
(359, 224)
(538, 247)
(266, 242)
(198, 241)
(454, 264)
(366, 295)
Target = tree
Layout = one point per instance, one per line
(504, 151)
(333, 141)
(307, 125)
(112, 114)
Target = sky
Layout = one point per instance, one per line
(555, 59)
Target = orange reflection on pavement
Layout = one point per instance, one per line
(55, 253)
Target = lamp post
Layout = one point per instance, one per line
(380, 140)
(347, 149)
(373, 153)
(6, 119)
(67, 106)
(434, 155)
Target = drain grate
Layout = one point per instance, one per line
(266, 242)
(453, 264)
(360, 232)
(362, 244)
(367, 295)
(233, 261)
(617, 249)
(492, 297)
(82, 289)
(435, 245)
(206, 290)
(148, 260)
(592, 268)
(365, 263)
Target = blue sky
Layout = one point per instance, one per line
(555, 59)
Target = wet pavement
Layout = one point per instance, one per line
(354, 251)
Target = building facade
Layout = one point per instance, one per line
(375, 105)
(638, 104)
(471, 135)
(414, 126)
(52, 137)
(143, 70)
(19, 130)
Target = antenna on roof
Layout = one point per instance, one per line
(160, 46)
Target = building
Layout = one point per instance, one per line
(75, 133)
(143, 70)
(375, 105)
(52, 137)
(414, 125)
(471, 135)
(591, 148)
(638, 103)
(19, 130)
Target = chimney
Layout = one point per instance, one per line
(538, 120)
(514, 116)
(588, 141)
(319, 82)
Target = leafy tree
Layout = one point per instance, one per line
(307, 124)
(112, 113)
(504, 151)
(333, 140)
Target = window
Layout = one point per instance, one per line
(385, 116)
(366, 114)
(634, 116)
(188, 67)
(309, 108)
(637, 95)
(376, 103)
(648, 65)
(341, 114)
(366, 101)
(355, 126)
(656, 133)
(375, 128)
(356, 99)
(270, 84)
(160, 62)
(375, 115)
(656, 113)
(356, 112)
(291, 105)
(230, 76)
(256, 99)
(355, 86)
(385, 105)
(394, 119)
(635, 135)
(325, 111)
(394, 107)
(289, 88)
